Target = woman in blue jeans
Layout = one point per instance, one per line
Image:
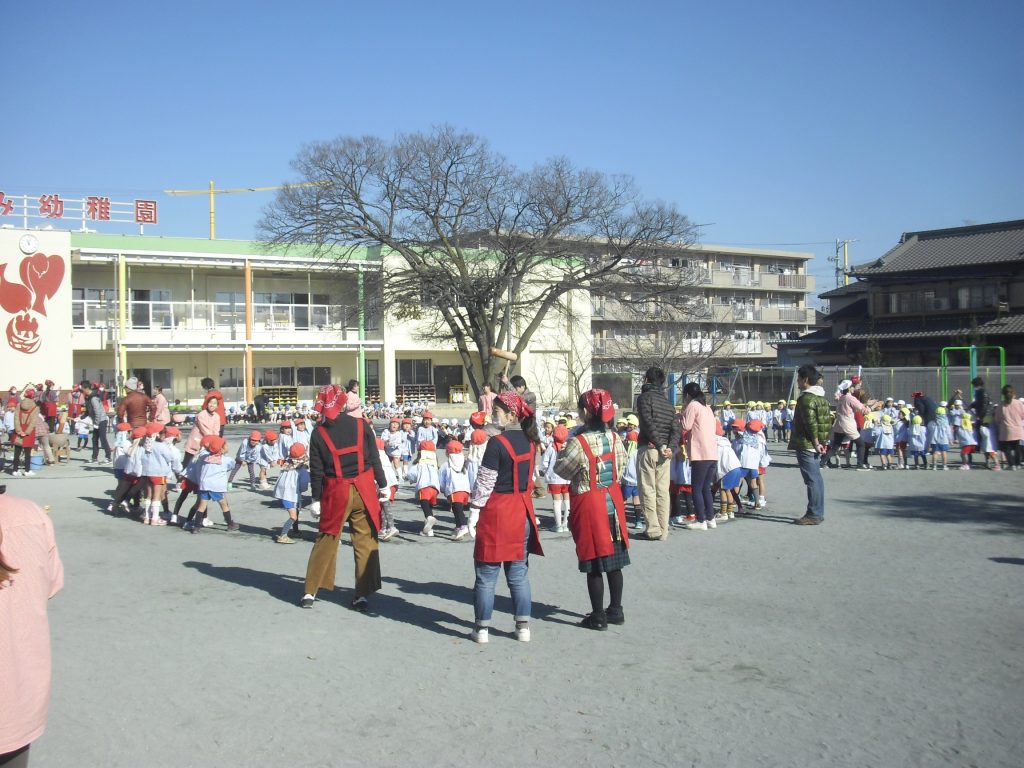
(507, 529)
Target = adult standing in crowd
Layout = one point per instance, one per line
(485, 403)
(161, 408)
(506, 533)
(659, 436)
(135, 408)
(96, 410)
(981, 405)
(593, 462)
(927, 409)
(26, 420)
(845, 428)
(1007, 419)
(260, 403)
(213, 393)
(697, 422)
(48, 404)
(811, 423)
(30, 574)
(348, 483)
(517, 384)
(76, 402)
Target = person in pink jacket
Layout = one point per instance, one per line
(698, 425)
(207, 424)
(1007, 418)
(845, 426)
(30, 574)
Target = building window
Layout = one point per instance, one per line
(231, 377)
(413, 371)
(976, 297)
(154, 377)
(372, 373)
(313, 376)
(275, 377)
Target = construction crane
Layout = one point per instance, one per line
(212, 191)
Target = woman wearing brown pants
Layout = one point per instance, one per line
(346, 478)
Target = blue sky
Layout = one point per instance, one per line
(788, 124)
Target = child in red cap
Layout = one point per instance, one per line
(289, 489)
(249, 456)
(424, 475)
(456, 485)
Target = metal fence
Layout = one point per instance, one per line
(777, 383)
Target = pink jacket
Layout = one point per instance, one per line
(845, 408)
(28, 545)
(698, 423)
(162, 413)
(206, 424)
(1008, 418)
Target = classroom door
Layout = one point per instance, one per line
(444, 377)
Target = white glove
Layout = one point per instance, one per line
(384, 495)
(314, 510)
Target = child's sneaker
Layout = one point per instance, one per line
(762, 502)
(695, 526)
(461, 532)
(676, 520)
(712, 524)
(157, 520)
(207, 522)
(173, 520)
(284, 539)
(732, 515)
(428, 526)
(232, 527)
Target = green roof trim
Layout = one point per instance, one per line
(197, 245)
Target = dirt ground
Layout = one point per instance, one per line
(889, 636)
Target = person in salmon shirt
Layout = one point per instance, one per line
(30, 574)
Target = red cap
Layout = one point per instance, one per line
(479, 437)
(395, 420)
(428, 445)
(297, 451)
(216, 443)
(561, 434)
(271, 435)
(49, 382)
(172, 431)
(30, 392)
(139, 432)
(478, 419)
(256, 435)
(154, 428)
(454, 446)
(739, 424)
(286, 424)
(407, 421)
(124, 426)
(756, 425)
(205, 442)
(428, 415)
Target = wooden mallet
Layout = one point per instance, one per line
(504, 354)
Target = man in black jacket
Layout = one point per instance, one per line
(346, 478)
(659, 436)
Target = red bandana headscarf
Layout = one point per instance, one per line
(599, 403)
(330, 401)
(515, 405)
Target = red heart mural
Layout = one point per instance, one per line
(43, 275)
(13, 297)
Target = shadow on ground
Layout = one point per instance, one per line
(999, 512)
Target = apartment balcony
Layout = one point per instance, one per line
(778, 282)
(195, 324)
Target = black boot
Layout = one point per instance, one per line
(597, 620)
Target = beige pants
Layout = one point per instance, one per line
(652, 474)
(323, 560)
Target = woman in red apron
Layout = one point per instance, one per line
(347, 481)
(592, 462)
(25, 432)
(507, 529)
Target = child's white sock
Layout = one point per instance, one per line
(557, 505)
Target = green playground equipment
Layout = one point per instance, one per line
(973, 350)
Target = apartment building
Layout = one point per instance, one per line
(737, 304)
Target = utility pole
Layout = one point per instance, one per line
(842, 262)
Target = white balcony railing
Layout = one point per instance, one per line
(216, 316)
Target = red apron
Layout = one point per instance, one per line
(25, 421)
(499, 533)
(75, 404)
(334, 496)
(588, 515)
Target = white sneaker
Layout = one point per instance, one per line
(732, 515)
(712, 524)
(479, 636)
(207, 522)
(428, 526)
(461, 532)
(523, 635)
(17, 473)
(30, 473)
(695, 526)
(174, 519)
(762, 502)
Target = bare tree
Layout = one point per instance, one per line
(473, 247)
